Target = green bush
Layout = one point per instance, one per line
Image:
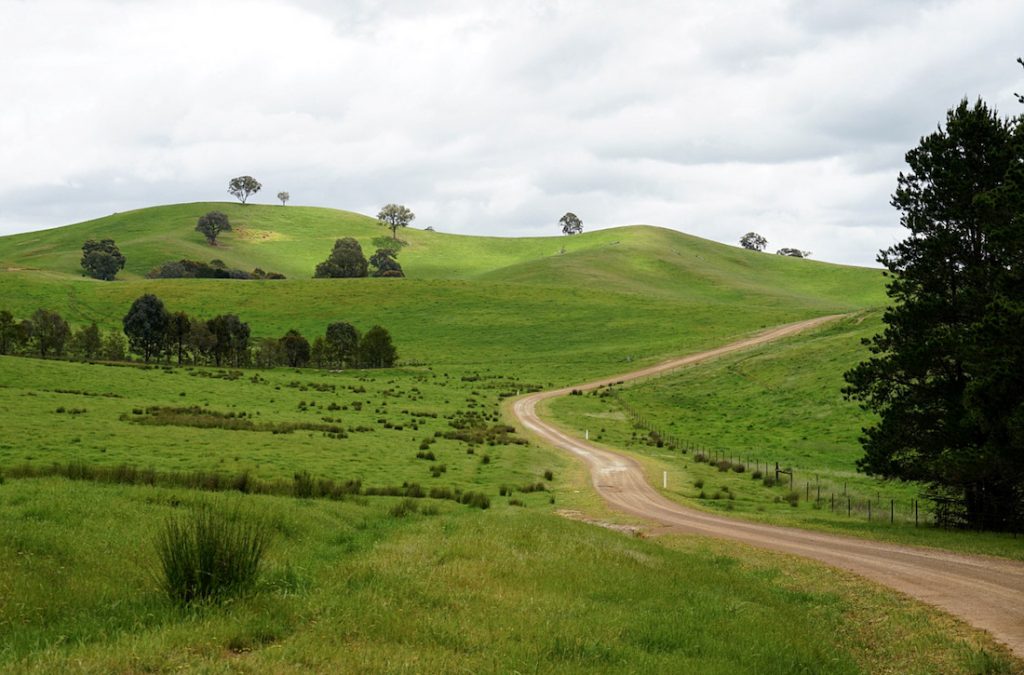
(210, 554)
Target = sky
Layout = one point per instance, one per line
(787, 118)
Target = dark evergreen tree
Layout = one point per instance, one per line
(385, 264)
(145, 326)
(945, 375)
(342, 344)
(346, 261)
(178, 329)
(49, 332)
(295, 349)
(102, 259)
(231, 335)
(376, 350)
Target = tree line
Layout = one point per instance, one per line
(154, 334)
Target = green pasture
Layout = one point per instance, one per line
(348, 588)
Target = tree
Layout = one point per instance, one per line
(268, 353)
(178, 329)
(295, 349)
(342, 344)
(376, 350)
(794, 253)
(201, 340)
(944, 376)
(114, 347)
(102, 259)
(284, 197)
(571, 224)
(394, 216)
(242, 187)
(386, 265)
(49, 332)
(231, 339)
(753, 241)
(145, 326)
(345, 261)
(8, 332)
(212, 224)
(318, 352)
(87, 343)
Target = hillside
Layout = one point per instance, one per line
(612, 297)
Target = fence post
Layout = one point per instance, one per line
(892, 511)
(869, 509)
(849, 506)
(915, 513)
(832, 503)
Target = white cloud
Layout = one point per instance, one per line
(790, 118)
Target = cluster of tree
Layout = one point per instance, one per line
(347, 261)
(243, 187)
(46, 334)
(102, 259)
(153, 333)
(752, 241)
(945, 374)
(341, 346)
(215, 269)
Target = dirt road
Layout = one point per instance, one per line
(986, 592)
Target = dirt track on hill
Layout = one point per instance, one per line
(986, 592)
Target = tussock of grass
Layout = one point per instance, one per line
(210, 554)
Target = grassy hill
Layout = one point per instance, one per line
(365, 583)
(612, 297)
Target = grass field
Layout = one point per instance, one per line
(348, 588)
(355, 585)
(779, 403)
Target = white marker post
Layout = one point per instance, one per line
(586, 435)
(664, 479)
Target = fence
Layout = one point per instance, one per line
(802, 486)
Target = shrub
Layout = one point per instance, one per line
(403, 508)
(756, 475)
(516, 502)
(549, 475)
(210, 554)
(699, 483)
(793, 497)
(700, 457)
(769, 481)
(486, 459)
(724, 465)
(739, 468)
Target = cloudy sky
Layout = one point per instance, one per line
(790, 118)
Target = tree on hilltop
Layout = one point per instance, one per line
(212, 224)
(102, 259)
(753, 241)
(284, 197)
(243, 187)
(794, 253)
(571, 224)
(394, 216)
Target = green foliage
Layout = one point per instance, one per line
(102, 259)
(87, 343)
(146, 325)
(342, 344)
(346, 261)
(216, 269)
(394, 216)
(230, 340)
(295, 348)
(793, 253)
(385, 265)
(571, 224)
(944, 376)
(753, 241)
(284, 197)
(212, 224)
(376, 349)
(48, 332)
(9, 333)
(211, 554)
(242, 187)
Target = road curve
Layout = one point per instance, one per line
(986, 592)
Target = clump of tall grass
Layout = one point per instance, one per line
(210, 554)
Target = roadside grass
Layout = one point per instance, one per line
(348, 587)
(775, 403)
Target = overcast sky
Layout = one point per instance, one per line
(714, 118)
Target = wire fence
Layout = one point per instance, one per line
(800, 486)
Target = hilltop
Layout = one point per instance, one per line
(561, 305)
